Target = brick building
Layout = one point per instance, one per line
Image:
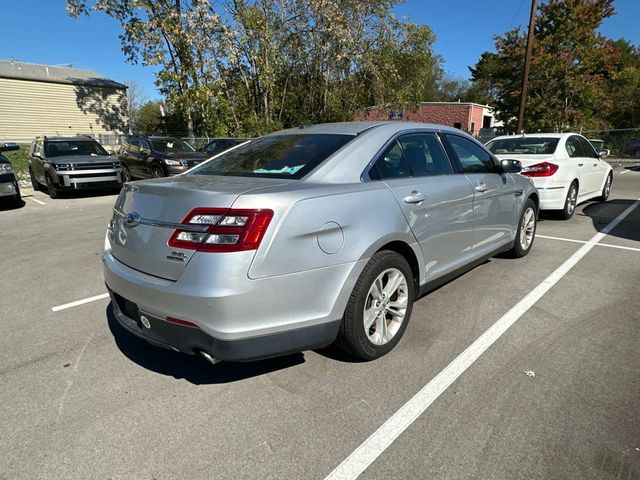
(470, 117)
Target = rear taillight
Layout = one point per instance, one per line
(229, 230)
(544, 169)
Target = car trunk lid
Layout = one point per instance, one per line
(146, 214)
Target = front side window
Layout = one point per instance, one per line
(425, 155)
(73, 148)
(473, 158)
(523, 145)
(171, 145)
(587, 148)
(275, 156)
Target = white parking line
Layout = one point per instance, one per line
(36, 200)
(625, 171)
(381, 439)
(583, 241)
(79, 302)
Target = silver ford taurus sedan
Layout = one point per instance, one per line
(310, 236)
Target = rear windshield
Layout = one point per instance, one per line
(73, 147)
(277, 156)
(524, 145)
(171, 145)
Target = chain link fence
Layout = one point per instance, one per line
(624, 143)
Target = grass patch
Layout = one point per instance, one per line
(20, 161)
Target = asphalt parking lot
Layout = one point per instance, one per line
(557, 395)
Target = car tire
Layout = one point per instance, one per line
(570, 202)
(34, 183)
(606, 190)
(51, 187)
(157, 171)
(386, 309)
(126, 174)
(526, 233)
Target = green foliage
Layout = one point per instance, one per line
(247, 67)
(577, 76)
(20, 161)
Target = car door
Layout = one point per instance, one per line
(595, 168)
(145, 158)
(494, 194)
(437, 203)
(132, 157)
(37, 162)
(582, 165)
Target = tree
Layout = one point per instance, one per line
(570, 65)
(135, 100)
(149, 120)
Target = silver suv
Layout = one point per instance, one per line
(309, 236)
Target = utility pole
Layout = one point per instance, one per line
(527, 64)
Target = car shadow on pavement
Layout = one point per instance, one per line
(11, 205)
(190, 367)
(603, 213)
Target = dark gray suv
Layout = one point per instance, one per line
(9, 188)
(70, 163)
(151, 157)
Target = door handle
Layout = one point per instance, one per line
(580, 164)
(415, 197)
(481, 188)
(595, 164)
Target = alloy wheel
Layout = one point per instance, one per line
(572, 199)
(527, 228)
(385, 306)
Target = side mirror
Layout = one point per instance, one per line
(37, 155)
(511, 166)
(145, 153)
(7, 147)
(605, 152)
(110, 152)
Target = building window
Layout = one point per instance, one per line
(457, 125)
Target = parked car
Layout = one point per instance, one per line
(218, 145)
(564, 167)
(309, 236)
(9, 188)
(153, 157)
(71, 163)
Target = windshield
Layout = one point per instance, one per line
(523, 145)
(73, 147)
(277, 156)
(171, 145)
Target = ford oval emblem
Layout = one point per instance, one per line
(132, 219)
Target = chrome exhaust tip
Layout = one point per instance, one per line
(209, 358)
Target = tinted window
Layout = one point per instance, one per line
(276, 156)
(425, 155)
(473, 158)
(171, 145)
(134, 146)
(524, 145)
(587, 148)
(574, 148)
(73, 148)
(392, 163)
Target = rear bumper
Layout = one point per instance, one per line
(552, 194)
(238, 318)
(193, 340)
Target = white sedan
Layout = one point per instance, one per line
(564, 167)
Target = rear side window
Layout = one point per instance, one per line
(392, 163)
(425, 155)
(276, 156)
(473, 158)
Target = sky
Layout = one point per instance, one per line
(39, 31)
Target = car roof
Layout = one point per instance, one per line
(355, 128)
(64, 139)
(538, 135)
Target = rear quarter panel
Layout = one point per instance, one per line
(325, 226)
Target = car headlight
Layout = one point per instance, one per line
(172, 162)
(5, 168)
